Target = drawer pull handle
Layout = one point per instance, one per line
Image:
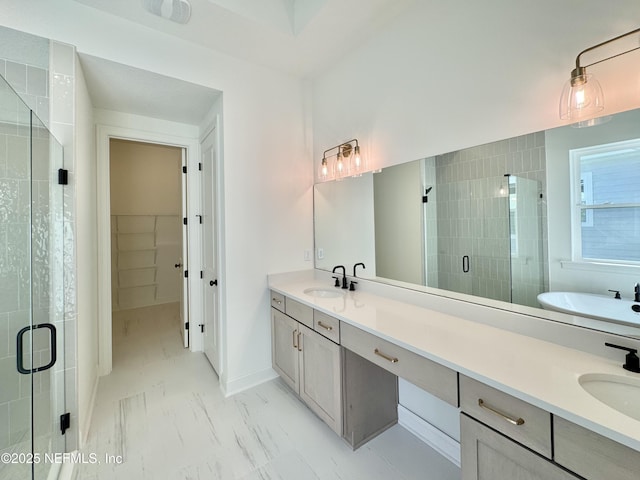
(512, 421)
(279, 302)
(386, 357)
(299, 344)
(294, 339)
(326, 327)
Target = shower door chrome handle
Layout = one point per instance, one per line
(20, 349)
(465, 264)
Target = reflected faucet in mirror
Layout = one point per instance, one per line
(362, 264)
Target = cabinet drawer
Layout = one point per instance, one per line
(592, 455)
(299, 311)
(326, 326)
(430, 376)
(277, 300)
(526, 424)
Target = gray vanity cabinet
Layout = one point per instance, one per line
(488, 455)
(320, 379)
(503, 437)
(310, 364)
(284, 350)
(592, 455)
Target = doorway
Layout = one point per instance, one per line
(148, 238)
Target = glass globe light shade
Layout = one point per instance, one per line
(581, 98)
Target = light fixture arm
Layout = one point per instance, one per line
(338, 147)
(580, 69)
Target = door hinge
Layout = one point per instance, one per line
(63, 176)
(184, 221)
(184, 169)
(186, 274)
(65, 422)
(186, 326)
(201, 325)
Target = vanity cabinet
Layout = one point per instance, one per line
(504, 437)
(591, 455)
(489, 455)
(311, 365)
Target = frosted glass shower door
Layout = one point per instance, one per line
(31, 294)
(15, 285)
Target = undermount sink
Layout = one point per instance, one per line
(323, 292)
(618, 392)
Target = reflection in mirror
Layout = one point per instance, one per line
(461, 221)
(484, 221)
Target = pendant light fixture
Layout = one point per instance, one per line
(582, 96)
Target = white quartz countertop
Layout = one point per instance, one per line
(541, 373)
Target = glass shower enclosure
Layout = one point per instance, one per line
(32, 306)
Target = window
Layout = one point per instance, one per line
(606, 193)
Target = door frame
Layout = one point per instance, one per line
(103, 217)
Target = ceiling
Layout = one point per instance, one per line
(122, 88)
(298, 37)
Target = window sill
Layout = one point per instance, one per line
(601, 267)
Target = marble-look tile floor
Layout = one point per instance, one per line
(162, 411)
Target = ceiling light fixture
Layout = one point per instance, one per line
(582, 96)
(178, 11)
(348, 161)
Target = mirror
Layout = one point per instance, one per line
(499, 223)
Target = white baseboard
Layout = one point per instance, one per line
(231, 387)
(66, 470)
(86, 424)
(436, 439)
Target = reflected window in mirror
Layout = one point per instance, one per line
(606, 193)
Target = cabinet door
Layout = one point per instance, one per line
(320, 381)
(284, 348)
(487, 455)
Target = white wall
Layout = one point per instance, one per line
(450, 75)
(87, 254)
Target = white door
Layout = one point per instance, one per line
(184, 261)
(210, 249)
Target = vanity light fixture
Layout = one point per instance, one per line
(348, 161)
(582, 96)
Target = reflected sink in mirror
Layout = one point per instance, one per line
(600, 307)
(323, 292)
(618, 392)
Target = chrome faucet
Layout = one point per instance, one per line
(636, 289)
(344, 276)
